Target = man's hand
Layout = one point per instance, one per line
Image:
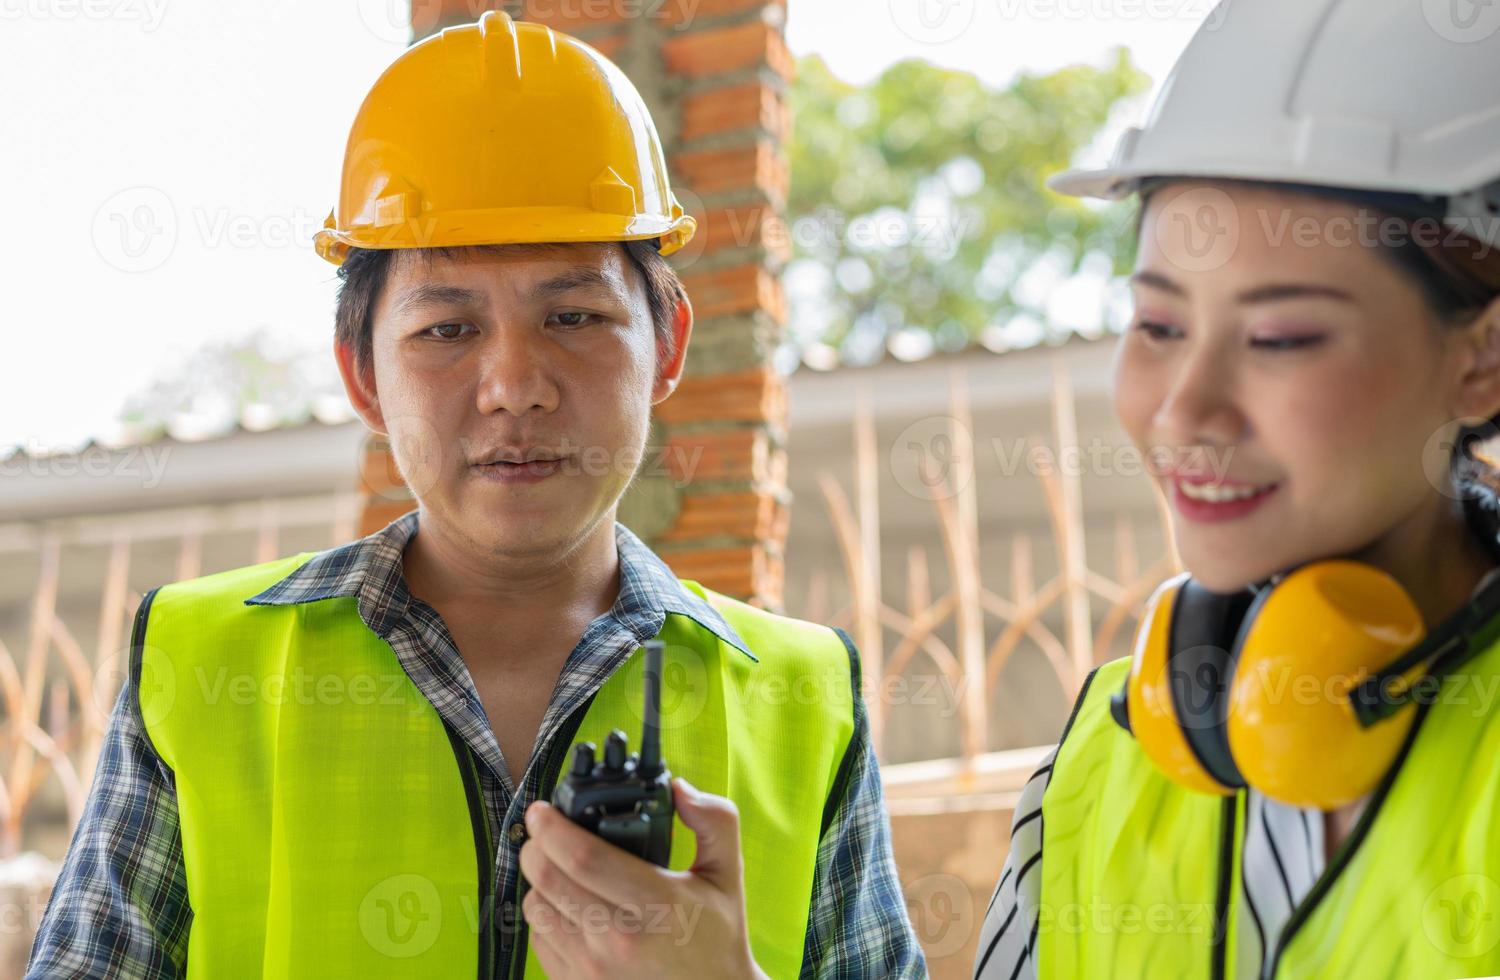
(596, 911)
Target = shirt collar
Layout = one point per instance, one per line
(370, 570)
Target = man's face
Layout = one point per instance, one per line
(545, 358)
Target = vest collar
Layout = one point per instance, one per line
(370, 570)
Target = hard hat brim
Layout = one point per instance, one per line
(506, 226)
(1116, 183)
(1109, 185)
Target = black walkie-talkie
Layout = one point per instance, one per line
(626, 799)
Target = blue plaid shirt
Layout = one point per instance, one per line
(121, 907)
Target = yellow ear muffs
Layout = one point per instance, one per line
(1229, 690)
(1301, 690)
(1305, 644)
(1173, 698)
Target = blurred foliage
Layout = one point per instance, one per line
(922, 194)
(255, 379)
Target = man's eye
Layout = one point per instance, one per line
(446, 331)
(572, 318)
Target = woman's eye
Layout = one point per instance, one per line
(1286, 343)
(446, 331)
(1155, 330)
(572, 318)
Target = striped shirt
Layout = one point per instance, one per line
(121, 906)
(1281, 857)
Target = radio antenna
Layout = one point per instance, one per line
(649, 766)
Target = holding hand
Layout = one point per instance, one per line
(595, 910)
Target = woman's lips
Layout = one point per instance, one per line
(1208, 502)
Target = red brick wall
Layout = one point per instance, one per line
(714, 73)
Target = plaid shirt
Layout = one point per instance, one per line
(121, 907)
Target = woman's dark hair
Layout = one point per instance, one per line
(1459, 277)
(364, 272)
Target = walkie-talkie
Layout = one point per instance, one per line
(626, 799)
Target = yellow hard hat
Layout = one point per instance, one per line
(498, 132)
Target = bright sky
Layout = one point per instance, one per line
(165, 164)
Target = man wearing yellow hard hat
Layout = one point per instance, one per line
(329, 765)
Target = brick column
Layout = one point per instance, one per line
(713, 500)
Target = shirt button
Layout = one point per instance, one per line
(517, 833)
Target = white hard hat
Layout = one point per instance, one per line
(1395, 96)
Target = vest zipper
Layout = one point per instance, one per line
(479, 823)
(1345, 853)
(1229, 829)
(552, 770)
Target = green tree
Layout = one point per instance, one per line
(918, 200)
(251, 379)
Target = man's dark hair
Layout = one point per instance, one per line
(365, 271)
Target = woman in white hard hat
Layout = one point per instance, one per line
(1297, 773)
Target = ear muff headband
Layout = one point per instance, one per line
(1201, 664)
(1148, 706)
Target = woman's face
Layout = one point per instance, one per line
(1285, 379)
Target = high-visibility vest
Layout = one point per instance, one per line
(332, 824)
(1141, 877)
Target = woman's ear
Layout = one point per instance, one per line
(1479, 385)
(669, 372)
(360, 387)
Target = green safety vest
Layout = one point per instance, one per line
(332, 825)
(1141, 878)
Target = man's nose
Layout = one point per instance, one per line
(517, 374)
